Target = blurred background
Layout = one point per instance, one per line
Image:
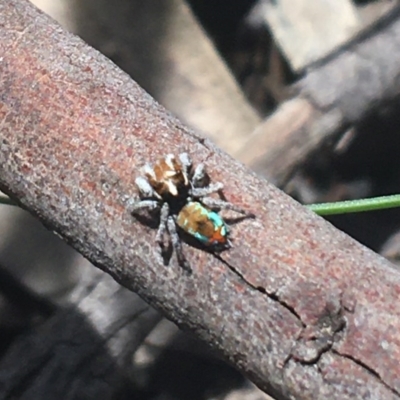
(229, 70)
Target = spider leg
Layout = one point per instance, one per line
(144, 204)
(163, 224)
(205, 191)
(186, 162)
(148, 170)
(199, 178)
(177, 244)
(219, 204)
(145, 189)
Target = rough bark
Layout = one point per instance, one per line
(302, 309)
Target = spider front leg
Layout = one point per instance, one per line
(218, 204)
(186, 162)
(177, 244)
(145, 189)
(200, 177)
(199, 181)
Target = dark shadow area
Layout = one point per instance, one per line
(189, 375)
(67, 357)
(220, 21)
(21, 309)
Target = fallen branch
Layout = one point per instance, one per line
(333, 97)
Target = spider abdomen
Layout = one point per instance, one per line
(205, 225)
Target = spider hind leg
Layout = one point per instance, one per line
(163, 225)
(177, 244)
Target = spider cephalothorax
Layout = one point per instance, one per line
(168, 177)
(180, 193)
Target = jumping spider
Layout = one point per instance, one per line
(181, 195)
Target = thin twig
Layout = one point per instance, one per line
(358, 205)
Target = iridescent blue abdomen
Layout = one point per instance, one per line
(205, 225)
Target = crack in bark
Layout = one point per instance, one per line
(262, 290)
(367, 368)
(323, 342)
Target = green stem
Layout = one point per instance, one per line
(351, 206)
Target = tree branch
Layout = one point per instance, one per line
(334, 96)
(299, 307)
